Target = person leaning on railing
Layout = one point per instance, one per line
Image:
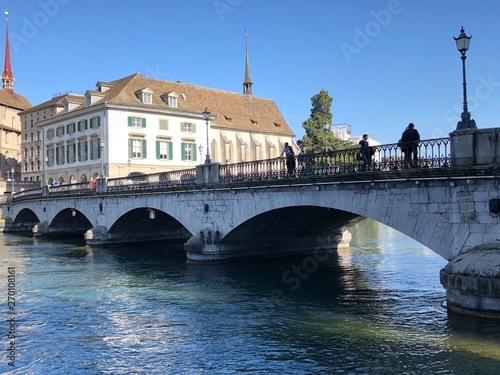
(410, 139)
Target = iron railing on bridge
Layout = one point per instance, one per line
(432, 153)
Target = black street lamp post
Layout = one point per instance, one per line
(463, 42)
(206, 115)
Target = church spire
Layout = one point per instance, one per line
(7, 77)
(247, 84)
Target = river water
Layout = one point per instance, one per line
(372, 309)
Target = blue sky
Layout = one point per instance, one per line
(385, 63)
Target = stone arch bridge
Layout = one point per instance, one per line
(454, 212)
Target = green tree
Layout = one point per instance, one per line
(316, 137)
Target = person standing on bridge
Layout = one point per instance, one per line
(285, 150)
(365, 153)
(410, 139)
(302, 159)
(290, 162)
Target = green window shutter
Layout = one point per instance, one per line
(129, 148)
(193, 128)
(143, 120)
(144, 149)
(182, 126)
(86, 148)
(67, 154)
(99, 122)
(194, 151)
(98, 150)
(91, 149)
(86, 124)
(129, 121)
(183, 151)
(170, 150)
(79, 151)
(157, 149)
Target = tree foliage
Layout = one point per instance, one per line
(316, 138)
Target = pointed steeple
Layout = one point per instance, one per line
(247, 84)
(7, 77)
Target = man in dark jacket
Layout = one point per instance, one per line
(410, 139)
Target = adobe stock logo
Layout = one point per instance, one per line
(482, 92)
(224, 6)
(31, 26)
(363, 36)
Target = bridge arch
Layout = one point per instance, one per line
(25, 220)
(146, 224)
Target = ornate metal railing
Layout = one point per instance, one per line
(433, 153)
(185, 177)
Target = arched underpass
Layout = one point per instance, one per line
(25, 221)
(69, 223)
(147, 225)
(284, 231)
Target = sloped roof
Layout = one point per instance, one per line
(57, 101)
(13, 100)
(232, 110)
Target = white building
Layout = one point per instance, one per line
(139, 125)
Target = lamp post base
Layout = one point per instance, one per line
(467, 122)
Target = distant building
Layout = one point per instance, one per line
(33, 163)
(10, 125)
(343, 131)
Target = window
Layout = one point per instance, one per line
(60, 131)
(50, 133)
(164, 150)
(163, 124)
(95, 149)
(50, 155)
(172, 101)
(188, 151)
(82, 150)
(137, 148)
(71, 153)
(95, 122)
(70, 128)
(31, 137)
(170, 98)
(60, 155)
(82, 125)
(137, 122)
(147, 98)
(188, 127)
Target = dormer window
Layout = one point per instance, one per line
(278, 126)
(171, 99)
(147, 98)
(145, 95)
(229, 119)
(254, 122)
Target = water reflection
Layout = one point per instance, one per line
(371, 309)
